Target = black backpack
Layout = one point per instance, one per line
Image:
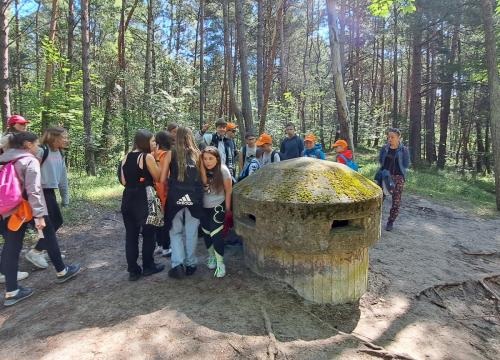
(187, 193)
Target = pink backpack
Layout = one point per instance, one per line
(11, 193)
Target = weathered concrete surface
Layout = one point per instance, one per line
(310, 223)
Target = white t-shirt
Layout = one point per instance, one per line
(249, 154)
(210, 198)
(266, 158)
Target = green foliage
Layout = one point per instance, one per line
(383, 7)
(446, 185)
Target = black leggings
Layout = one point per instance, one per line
(132, 231)
(13, 245)
(54, 215)
(212, 225)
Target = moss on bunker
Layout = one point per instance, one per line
(308, 181)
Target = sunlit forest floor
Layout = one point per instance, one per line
(433, 293)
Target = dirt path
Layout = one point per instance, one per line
(100, 315)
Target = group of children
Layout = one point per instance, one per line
(30, 174)
(176, 184)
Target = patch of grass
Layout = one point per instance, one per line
(90, 195)
(446, 185)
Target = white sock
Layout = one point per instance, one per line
(64, 272)
(9, 294)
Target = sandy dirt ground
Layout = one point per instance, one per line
(433, 293)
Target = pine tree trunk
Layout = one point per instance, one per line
(147, 66)
(49, 68)
(446, 101)
(235, 107)
(71, 30)
(395, 115)
(341, 100)
(415, 96)
(270, 65)
(87, 111)
(243, 56)
(18, 80)
(260, 58)
(494, 90)
(4, 61)
(202, 64)
(430, 108)
(380, 104)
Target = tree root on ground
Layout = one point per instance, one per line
(272, 348)
(433, 295)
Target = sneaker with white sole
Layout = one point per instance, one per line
(71, 271)
(37, 259)
(21, 275)
(211, 262)
(22, 294)
(220, 271)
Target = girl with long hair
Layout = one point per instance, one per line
(138, 172)
(13, 223)
(218, 186)
(54, 176)
(184, 206)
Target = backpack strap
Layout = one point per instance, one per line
(45, 155)
(343, 157)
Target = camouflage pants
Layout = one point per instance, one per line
(399, 182)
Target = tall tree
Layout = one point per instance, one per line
(4, 61)
(71, 30)
(395, 115)
(235, 107)
(494, 89)
(444, 116)
(87, 110)
(148, 69)
(243, 55)
(124, 21)
(260, 58)
(49, 69)
(202, 63)
(338, 80)
(415, 89)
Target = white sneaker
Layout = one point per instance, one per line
(211, 262)
(37, 259)
(220, 271)
(21, 275)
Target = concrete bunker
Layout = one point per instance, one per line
(309, 223)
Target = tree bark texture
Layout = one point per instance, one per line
(342, 108)
(4, 62)
(243, 56)
(494, 90)
(87, 110)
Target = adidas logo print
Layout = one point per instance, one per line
(185, 200)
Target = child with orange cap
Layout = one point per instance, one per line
(312, 149)
(265, 142)
(343, 153)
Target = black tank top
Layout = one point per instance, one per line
(134, 175)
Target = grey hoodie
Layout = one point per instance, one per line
(28, 171)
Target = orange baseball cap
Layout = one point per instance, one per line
(264, 139)
(342, 143)
(231, 126)
(310, 137)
